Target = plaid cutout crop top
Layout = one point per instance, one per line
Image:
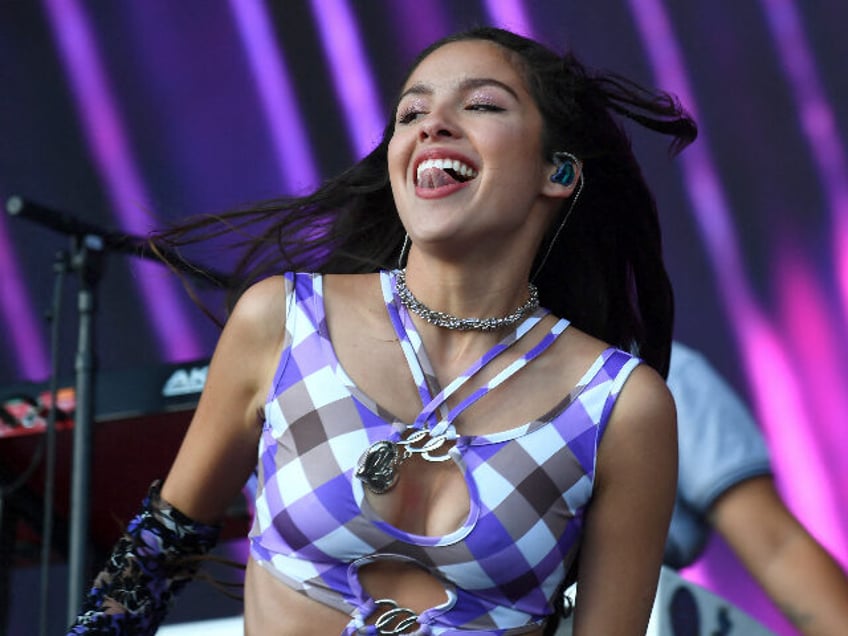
(529, 486)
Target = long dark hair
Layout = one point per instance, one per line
(604, 272)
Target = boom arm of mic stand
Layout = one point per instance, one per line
(138, 246)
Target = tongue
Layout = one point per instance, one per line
(435, 178)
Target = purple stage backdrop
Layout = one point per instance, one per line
(133, 114)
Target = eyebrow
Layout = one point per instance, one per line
(464, 86)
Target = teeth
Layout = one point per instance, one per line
(457, 166)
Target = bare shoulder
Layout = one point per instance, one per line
(642, 430)
(644, 413)
(353, 285)
(644, 403)
(260, 310)
(645, 397)
(252, 340)
(358, 295)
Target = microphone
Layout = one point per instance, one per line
(61, 222)
(66, 223)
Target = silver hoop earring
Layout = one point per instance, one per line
(404, 251)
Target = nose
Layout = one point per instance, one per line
(438, 125)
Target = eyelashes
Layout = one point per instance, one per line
(486, 107)
(411, 113)
(407, 116)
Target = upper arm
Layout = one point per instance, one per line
(220, 446)
(628, 517)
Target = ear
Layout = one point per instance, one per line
(562, 176)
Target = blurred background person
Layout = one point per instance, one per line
(725, 483)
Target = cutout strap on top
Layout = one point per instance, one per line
(425, 378)
(421, 368)
(378, 466)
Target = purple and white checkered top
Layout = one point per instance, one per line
(529, 486)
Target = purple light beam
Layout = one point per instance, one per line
(111, 153)
(279, 100)
(815, 114)
(351, 74)
(16, 308)
(509, 14)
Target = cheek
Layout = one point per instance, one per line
(398, 159)
(516, 153)
(512, 139)
(525, 152)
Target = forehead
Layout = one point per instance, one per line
(457, 61)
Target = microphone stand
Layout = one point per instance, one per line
(88, 246)
(86, 259)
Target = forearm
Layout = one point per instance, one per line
(808, 586)
(800, 577)
(155, 558)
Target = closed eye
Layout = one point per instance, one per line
(485, 108)
(409, 116)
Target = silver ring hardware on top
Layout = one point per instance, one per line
(395, 620)
(378, 467)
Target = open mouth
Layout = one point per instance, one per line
(436, 173)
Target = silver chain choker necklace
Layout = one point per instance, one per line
(449, 321)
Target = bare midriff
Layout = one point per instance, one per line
(271, 608)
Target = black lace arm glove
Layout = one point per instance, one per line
(158, 554)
